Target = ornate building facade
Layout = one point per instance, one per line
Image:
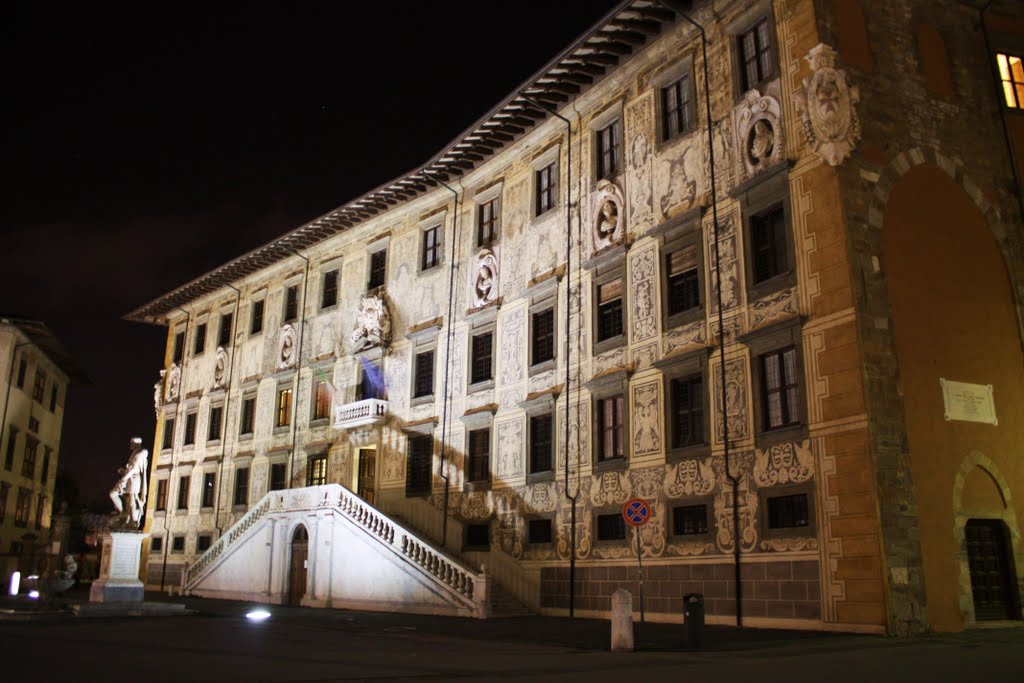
(794, 329)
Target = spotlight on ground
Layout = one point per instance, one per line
(34, 595)
(258, 615)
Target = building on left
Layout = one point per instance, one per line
(35, 373)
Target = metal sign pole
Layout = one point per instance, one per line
(640, 571)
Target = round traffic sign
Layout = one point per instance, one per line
(636, 512)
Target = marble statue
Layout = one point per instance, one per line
(129, 493)
(158, 392)
(373, 324)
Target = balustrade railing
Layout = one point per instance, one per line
(369, 411)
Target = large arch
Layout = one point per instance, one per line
(955, 316)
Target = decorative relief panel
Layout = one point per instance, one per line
(723, 155)
(396, 376)
(690, 478)
(455, 456)
(583, 527)
(286, 351)
(172, 383)
(259, 481)
(759, 140)
(476, 505)
(784, 463)
(643, 318)
(646, 418)
(736, 403)
(679, 180)
(610, 488)
(484, 290)
(543, 381)
(220, 368)
(510, 448)
(373, 324)
(646, 481)
(513, 347)
(748, 506)
(616, 358)
(579, 439)
(772, 308)
(694, 335)
(645, 356)
(640, 121)
(479, 398)
(827, 103)
(730, 275)
(608, 216)
(511, 398)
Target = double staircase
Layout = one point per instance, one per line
(323, 546)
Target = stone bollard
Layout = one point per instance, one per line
(622, 621)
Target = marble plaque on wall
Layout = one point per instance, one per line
(968, 402)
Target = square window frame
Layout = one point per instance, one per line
(417, 351)
(682, 233)
(766, 192)
(247, 395)
(493, 192)
(200, 336)
(550, 155)
(425, 431)
(326, 268)
(544, 297)
(284, 427)
(375, 248)
(604, 388)
(261, 298)
(314, 382)
(668, 75)
(807, 488)
(678, 367)
(691, 501)
(609, 272)
(550, 519)
(781, 335)
(437, 222)
(609, 542)
(761, 11)
(612, 113)
(484, 421)
(543, 409)
(296, 283)
(490, 327)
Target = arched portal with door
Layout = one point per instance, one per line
(297, 565)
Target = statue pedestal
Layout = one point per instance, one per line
(119, 568)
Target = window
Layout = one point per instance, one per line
(1011, 74)
(23, 507)
(609, 310)
(487, 221)
(478, 465)
(478, 536)
(39, 387)
(4, 492)
(482, 359)
(541, 438)
(277, 476)
(12, 444)
(768, 235)
(53, 398)
(371, 382)
(329, 289)
(256, 318)
(179, 348)
(28, 464)
(321, 400)
(611, 527)
(168, 437)
(241, 486)
(755, 52)
(33, 425)
(690, 520)
(284, 407)
(22, 369)
(190, 429)
(424, 375)
(224, 331)
(200, 339)
(45, 473)
(161, 495)
(419, 456)
(216, 419)
(539, 531)
(248, 419)
(184, 483)
(788, 512)
(779, 389)
(676, 108)
(40, 509)
(316, 470)
(687, 412)
(178, 544)
(546, 190)
(543, 341)
(291, 303)
(378, 268)
(430, 251)
(203, 543)
(683, 280)
(609, 158)
(209, 488)
(156, 544)
(611, 443)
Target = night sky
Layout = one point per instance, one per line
(146, 144)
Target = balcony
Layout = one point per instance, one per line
(366, 413)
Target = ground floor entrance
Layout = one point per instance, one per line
(297, 567)
(366, 478)
(992, 572)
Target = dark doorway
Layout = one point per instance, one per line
(297, 571)
(992, 575)
(367, 474)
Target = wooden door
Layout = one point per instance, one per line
(297, 570)
(367, 474)
(991, 571)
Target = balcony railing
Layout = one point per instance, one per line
(372, 411)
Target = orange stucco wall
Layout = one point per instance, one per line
(954, 318)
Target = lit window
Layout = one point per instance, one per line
(610, 423)
(321, 400)
(1011, 73)
(284, 407)
(316, 471)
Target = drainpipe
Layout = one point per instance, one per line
(448, 353)
(298, 369)
(177, 416)
(1002, 120)
(733, 480)
(10, 377)
(227, 404)
(568, 301)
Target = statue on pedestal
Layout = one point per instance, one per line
(129, 493)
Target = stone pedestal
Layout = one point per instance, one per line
(119, 568)
(622, 621)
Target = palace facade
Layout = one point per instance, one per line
(795, 330)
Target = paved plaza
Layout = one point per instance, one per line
(217, 643)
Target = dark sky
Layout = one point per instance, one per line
(145, 144)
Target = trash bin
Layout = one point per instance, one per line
(693, 617)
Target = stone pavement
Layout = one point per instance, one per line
(217, 643)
